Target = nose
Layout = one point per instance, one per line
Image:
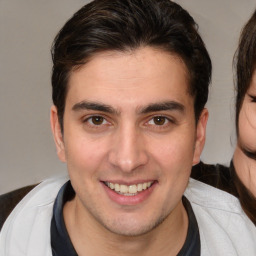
(128, 151)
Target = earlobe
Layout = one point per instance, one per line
(57, 134)
(200, 135)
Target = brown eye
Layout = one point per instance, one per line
(159, 120)
(97, 120)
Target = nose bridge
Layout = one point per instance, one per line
(127, 148)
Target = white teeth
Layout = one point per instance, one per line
(139, 187)
(117, 187)
(124, 189)
(133, 189)
(129, 190)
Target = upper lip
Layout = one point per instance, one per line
(128, 183)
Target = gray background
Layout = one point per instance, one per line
(27, 29)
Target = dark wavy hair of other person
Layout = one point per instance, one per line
(246, 198)
(244, 61)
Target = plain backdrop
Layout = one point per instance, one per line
(27, 29)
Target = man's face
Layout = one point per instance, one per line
(130, 138)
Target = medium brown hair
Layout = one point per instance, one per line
(245, 60)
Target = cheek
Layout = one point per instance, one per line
(83, 155)
(250, 115)
(84, 162)
(175, 160)
(175, 151)
(247, 127)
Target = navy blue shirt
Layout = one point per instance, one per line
(62, 245)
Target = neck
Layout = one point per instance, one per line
(90, 238)
(246, 169)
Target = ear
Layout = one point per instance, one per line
(57, 134)
(200, 135)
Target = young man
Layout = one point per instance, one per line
(130, 81)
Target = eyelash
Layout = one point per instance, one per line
(151, 122)
(253, 98)
(249, 153)
(167, 121)
(89, 121)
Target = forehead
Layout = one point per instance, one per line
(146, 74)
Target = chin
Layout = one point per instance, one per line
(133, 227)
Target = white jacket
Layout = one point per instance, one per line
(224, 228)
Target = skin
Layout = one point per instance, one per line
(146, 133)
(245, 166)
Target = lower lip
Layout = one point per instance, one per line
(129, 200)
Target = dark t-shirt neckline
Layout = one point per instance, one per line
(62, 245)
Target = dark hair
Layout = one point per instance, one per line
(246, 198)
(125, 25)
(245, 59)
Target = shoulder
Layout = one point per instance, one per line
(29, 224)
(208, 196)
(221, 221)
(218, 176)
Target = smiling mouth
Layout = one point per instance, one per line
(129, 190)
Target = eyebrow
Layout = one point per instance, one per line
(86, 105)
(163, 106)
(153, 107)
